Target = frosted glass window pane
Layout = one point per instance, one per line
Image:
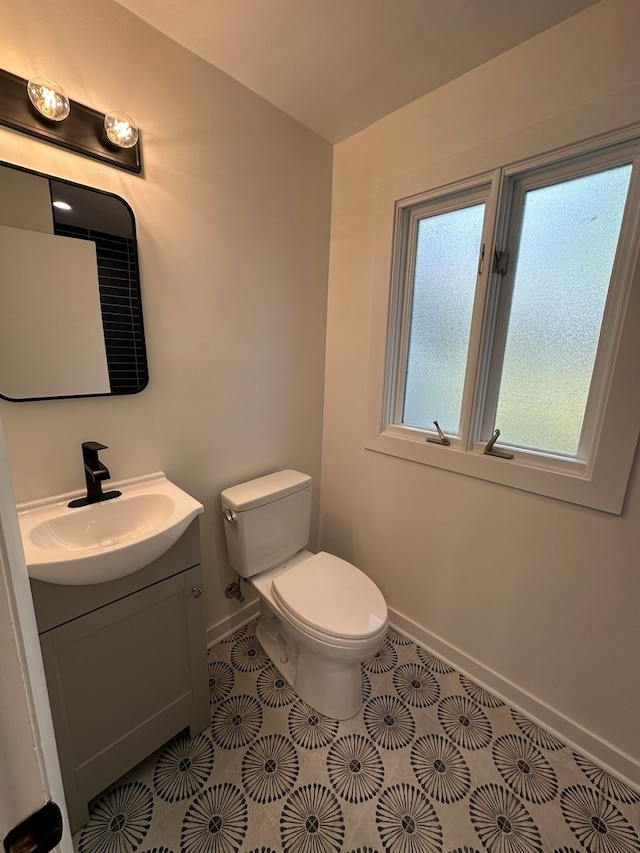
(567, 247)
(446, 264)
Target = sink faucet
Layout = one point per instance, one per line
(94, 473)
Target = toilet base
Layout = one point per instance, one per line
(281, 654)
(331, 685)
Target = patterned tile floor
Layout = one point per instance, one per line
(432, 764)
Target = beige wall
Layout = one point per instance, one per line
(233, 222)
(534, 597)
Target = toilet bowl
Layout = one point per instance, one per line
(320, 616)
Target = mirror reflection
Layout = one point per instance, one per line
(70, 306)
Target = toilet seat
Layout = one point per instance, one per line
(331, 597)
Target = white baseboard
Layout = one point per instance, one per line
(222, 629)
(571, 733)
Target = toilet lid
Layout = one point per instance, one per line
(332, 596)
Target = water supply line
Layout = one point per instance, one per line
(234, 591)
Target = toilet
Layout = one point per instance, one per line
(320, 616)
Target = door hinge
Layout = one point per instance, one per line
(500, 262)
(39, 833)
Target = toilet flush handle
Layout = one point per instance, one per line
(230, 516)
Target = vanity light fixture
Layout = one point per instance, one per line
(49, 98)
(41, 109)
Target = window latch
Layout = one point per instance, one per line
(500, 262)
(481, 261)
(489, 451)
(442, 438)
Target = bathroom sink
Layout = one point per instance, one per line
(107, 540)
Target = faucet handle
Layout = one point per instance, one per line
(93, 446)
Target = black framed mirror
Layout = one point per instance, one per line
(71, 320)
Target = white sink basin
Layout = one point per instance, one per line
(104, 541)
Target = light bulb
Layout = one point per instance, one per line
(121, 129)
(48, 98)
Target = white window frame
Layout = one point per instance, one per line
(599, 482)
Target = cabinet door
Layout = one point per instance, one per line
(124, 679)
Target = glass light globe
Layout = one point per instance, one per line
(121, 129)
(49, 98)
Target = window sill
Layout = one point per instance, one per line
(570, 481)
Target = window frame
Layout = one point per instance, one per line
(408, 221)
(600, 481)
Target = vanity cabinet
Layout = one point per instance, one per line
(126, 668)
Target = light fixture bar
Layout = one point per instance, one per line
(82, 131)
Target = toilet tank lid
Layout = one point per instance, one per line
(264, 490)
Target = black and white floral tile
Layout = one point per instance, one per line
(432, 764)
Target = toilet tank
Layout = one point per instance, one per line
(266, 521)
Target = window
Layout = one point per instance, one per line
(508, 301)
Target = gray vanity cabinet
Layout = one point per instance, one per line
(126, 668)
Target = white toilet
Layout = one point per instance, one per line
(320, 616)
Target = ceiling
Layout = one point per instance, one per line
(339, 65)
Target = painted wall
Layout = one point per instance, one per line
(233, 228)
(535, 598)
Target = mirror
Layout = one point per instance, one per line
(70, 303)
